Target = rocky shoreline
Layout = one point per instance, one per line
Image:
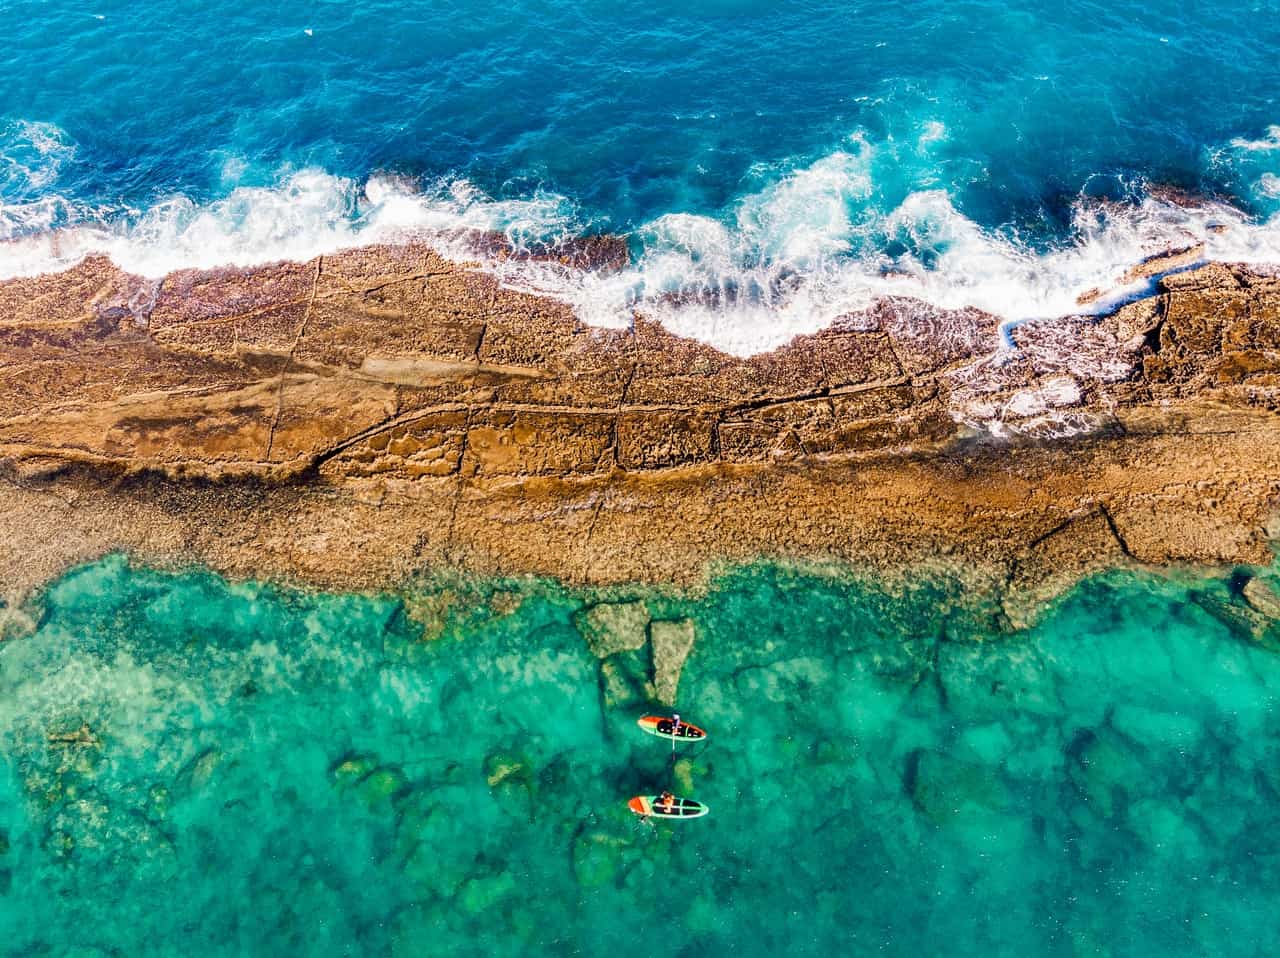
(361, 419)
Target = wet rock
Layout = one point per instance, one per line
(1090, 296)
(613, 627)
(505, 602)
(1165, 262)
(599, 252)
(1242, 619)
(926, 337)
(1262, 597)
(672, 643)
(433, 612)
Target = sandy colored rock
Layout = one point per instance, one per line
(672, 643)
(357, 420)
(1164, 262)
(1262, 596)
(613, 627)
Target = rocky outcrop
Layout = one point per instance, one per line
(613, 627)
(1262, 597)
(353, 420)
(672, 643)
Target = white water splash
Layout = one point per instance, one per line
(786, 260)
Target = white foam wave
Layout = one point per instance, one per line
(307, 213)
(811, 247)
(1265, 144)
(786, 260)
(798, 259)
(32, 156)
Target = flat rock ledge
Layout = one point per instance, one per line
(355, 420)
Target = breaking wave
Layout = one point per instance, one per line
(815, 242)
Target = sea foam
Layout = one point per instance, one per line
(814, 243)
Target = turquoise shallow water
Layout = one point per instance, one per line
(274, 772)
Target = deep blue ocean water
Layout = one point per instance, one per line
(192, 767)
(782, 156)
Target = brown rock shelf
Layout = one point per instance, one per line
(353, 420)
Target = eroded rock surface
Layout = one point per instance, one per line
(353, 420)
(613, 627)
(672, 643)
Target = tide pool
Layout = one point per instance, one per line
(190, 766)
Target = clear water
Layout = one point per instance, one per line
(780, 158)
(286, 773)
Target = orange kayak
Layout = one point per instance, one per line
(652, 805)
(665, 728)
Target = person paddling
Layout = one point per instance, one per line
(666, 803)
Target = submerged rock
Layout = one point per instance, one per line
(944, 788)
(433, 612)
(613, 627)
(1262, 596)
(157, 807)
(511, 779)
(597, 859)
(478, 894)
(195, 775)
(621, 683)
(683, 775)
(672, 643)
(351, 768)
(501, 767)
(84, 735)
(382, 785)
(505, 602)
(1104, 767)
(1243, 619)
(15, 621)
